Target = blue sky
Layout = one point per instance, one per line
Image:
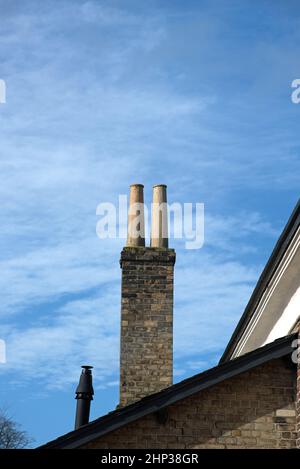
(101, 94)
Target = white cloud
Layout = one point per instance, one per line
(47, 273)
(81, 332)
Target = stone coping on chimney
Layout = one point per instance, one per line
(148, 254)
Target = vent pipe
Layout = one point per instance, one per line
(159, 226)
(84, 396)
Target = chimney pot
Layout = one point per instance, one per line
(159, 227)
(136, 221)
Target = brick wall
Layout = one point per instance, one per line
(146, 360)
(255, 409)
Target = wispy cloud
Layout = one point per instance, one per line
(81, 332)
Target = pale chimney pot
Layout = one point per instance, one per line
(136, 217)
(159, 225)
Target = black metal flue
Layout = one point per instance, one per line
(84, 396)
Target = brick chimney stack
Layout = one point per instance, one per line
(146, 361)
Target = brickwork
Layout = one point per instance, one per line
(146, 360)
(255, 409)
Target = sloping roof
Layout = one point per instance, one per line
(155, 402)
(268, 272)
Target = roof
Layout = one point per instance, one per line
(155, 402)
(268, 272)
